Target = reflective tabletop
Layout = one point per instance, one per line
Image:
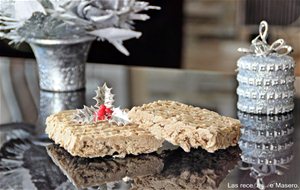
(267, 156)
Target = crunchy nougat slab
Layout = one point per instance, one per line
(99, 139)
(187, 126)
(87, 172)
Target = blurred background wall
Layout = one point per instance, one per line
(215, 29)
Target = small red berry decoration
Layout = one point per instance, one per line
(108, 113)
(103, 113)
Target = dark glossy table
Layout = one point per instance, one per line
(268, 156)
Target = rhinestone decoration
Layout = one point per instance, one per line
(266, 137)
(266, 77)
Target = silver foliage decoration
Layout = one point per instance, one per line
(104, 96)
(120, 117)
(85, 115)
(14, 14)
(110, 20)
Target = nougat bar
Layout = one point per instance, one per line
(187, 126)
(99, 139)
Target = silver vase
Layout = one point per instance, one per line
(61, 63)
(54, 102)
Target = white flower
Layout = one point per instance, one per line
(20, 10)
(109, 20)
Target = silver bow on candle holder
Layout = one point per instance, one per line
(260, 171)
(260, 47)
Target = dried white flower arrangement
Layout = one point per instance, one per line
(110, 20)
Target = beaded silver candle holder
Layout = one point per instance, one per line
(271, 142)
(266, 76)
(266, 143)
(269, 125)
(269, 133)
(280, 160)
(266, 153)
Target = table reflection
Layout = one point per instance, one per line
(13, 131)
(266, 143)
(170, 170)
(28, 161)
(83, 172)
(197, 169)
(24, 163)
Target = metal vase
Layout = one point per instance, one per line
(61, 63)
(54, 102)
